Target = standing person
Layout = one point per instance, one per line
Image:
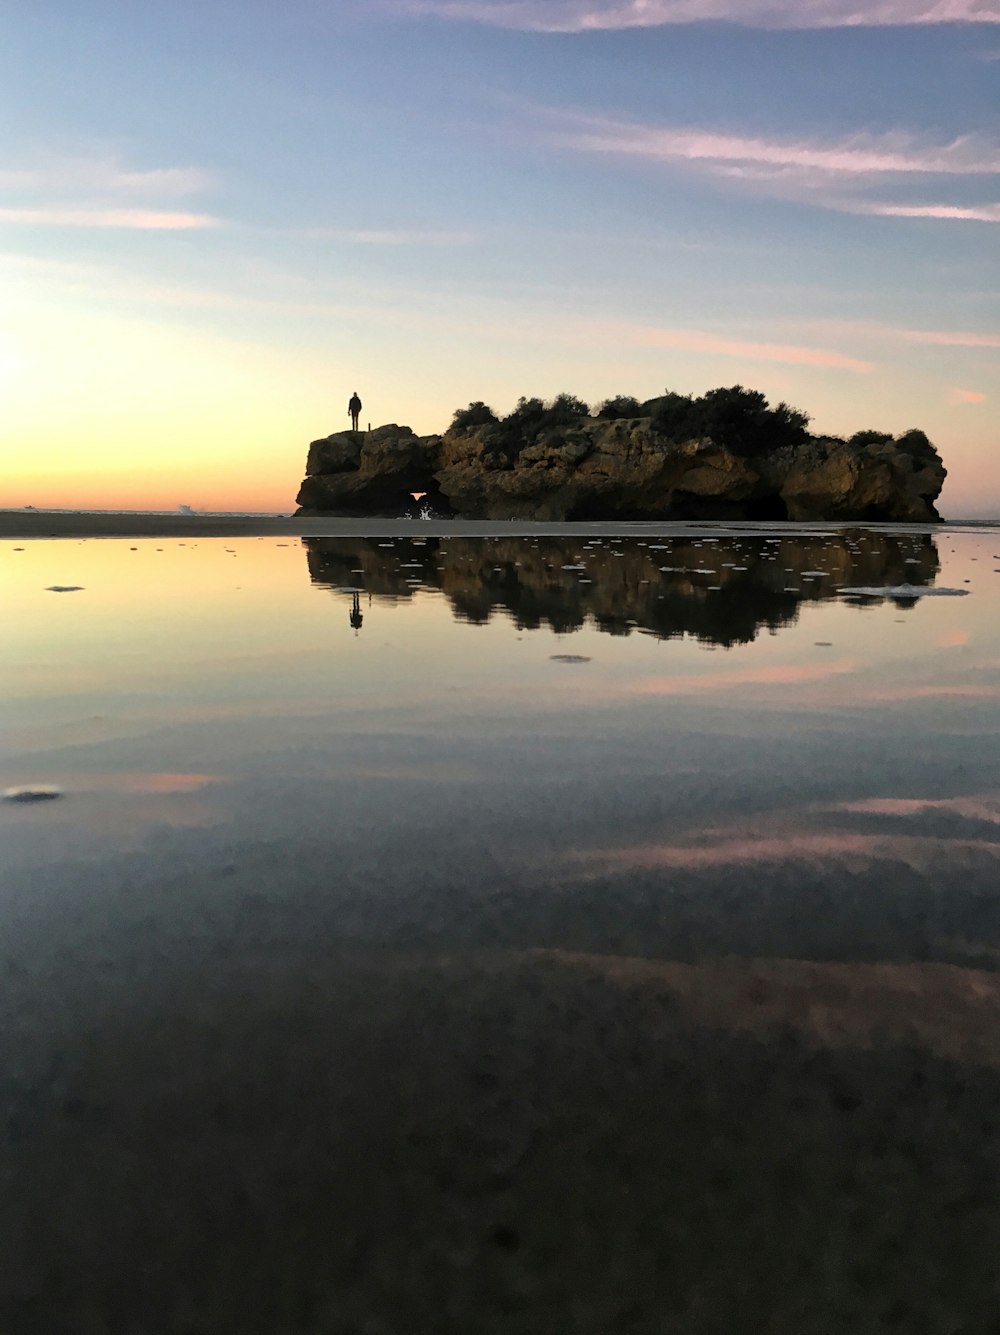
(354, 408)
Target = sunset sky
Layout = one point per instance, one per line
(219, 219)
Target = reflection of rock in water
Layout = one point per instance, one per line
(720, 591)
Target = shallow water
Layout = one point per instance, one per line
(510, 723)
(293, 771)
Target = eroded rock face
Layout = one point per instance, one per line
(374, 472)
(616, 470)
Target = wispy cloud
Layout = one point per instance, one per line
(578, 16)
(374, 236)
(692, 340)
(101, 176)
(143, 220)
(967, 396)
(756, 158)
(846, 175)
(946, 338)
(99, 190)
(953, 212)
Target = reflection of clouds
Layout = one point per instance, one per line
(161, 783)
(985, 807)
(778, 674)
(952, 639)
(947, 1009)
(853, 835)
(914, 850)
(899, 693)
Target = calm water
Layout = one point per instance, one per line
(519, 727)
(510, 935)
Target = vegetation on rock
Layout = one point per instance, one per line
(477, 414)
(727, 454)
(623, 405)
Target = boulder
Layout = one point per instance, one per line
(370, 472)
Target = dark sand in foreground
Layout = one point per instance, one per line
(342, 1142)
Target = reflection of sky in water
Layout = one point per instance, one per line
(740, 730)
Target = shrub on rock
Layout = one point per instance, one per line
(623, 405)
(477, 414)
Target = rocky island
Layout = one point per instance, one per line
(726, 455)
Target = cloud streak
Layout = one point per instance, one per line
(142, 220)
(101, 177)
(755, 158)
(989, 213)
(845, 175)
(99, 191)
(581, 16)
(692, 340)
(373, 236)
(944, 338)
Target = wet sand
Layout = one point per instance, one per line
(319, 1140)
(234, 1100)
(107, 524)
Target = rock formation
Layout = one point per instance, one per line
(619, 469)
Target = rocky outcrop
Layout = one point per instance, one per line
(619, 469)
(368, 473)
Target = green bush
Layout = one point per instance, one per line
(674, 416)
(477, 414)
(870, 438)
(739, 419)
(565, 408)
(621, 406)
(528, 415)
(916, 444)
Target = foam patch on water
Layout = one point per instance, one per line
(900, 591)
(47, 793)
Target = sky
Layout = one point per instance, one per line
(218, 220)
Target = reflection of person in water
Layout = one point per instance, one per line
(357, 616)
(354, 408)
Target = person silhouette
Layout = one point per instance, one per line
(357, 616)
(354, 408)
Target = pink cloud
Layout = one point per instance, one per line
(597, 15)
(692, 340)
(967, 396)
(859, 155)
(945, 212)
(951, 339)
(143, 220)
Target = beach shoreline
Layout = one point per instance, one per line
(29, 524)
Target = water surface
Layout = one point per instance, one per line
(611, 898)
